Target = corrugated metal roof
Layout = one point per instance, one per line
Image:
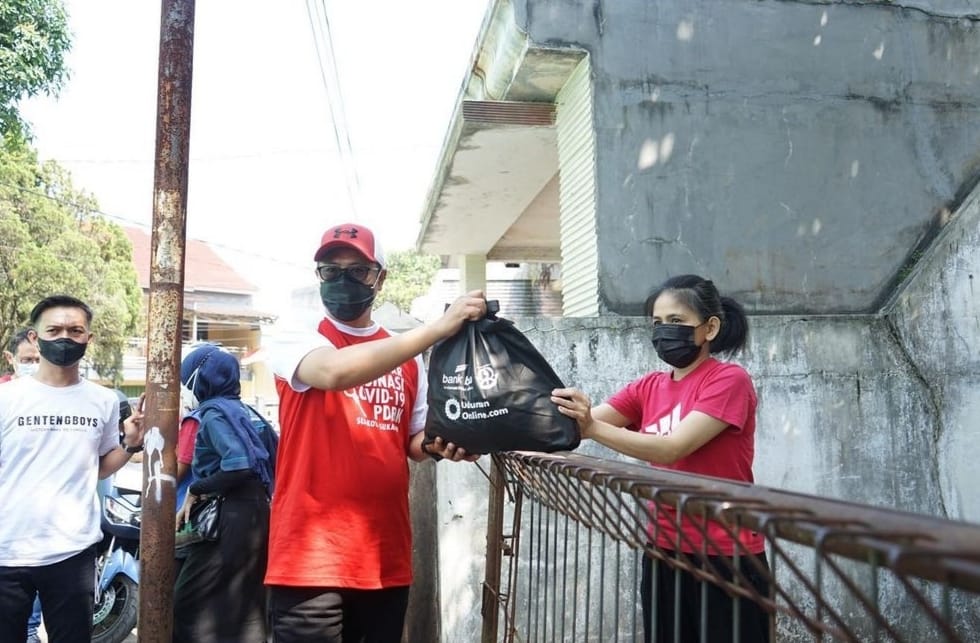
(517, 297)
(577, 195)
(205, 311)
(509, 113)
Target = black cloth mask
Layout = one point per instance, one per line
(346, 299)
(62, 351)
(675, 344)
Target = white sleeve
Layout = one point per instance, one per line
(288, 350)
(421, 408)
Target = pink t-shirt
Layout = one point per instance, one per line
(656, 404)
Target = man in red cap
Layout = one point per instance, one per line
(352, 405)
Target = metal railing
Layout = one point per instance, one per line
(566, 535)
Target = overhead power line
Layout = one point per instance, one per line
(139, 224)
(323, 43)
(199, 159)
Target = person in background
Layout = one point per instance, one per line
(697, 417)
(186, 436)
(219, 594)
(22, 356)
(187, 433)
(352, 406)
(24, 360)
(59, 433)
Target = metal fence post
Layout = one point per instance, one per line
(495, 528)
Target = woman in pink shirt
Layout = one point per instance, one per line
(698, 417)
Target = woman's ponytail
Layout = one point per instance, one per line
(734, 331)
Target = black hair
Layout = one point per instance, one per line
(701, 296)
(60, 301)
(18, 338)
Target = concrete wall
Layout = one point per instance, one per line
(842, 414)
(767, 143)
(816, 159)
(876, 409)
(936, 319)
(422, 617)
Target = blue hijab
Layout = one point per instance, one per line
(213, 376)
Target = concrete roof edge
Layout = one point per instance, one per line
(500, 52)
(499, 26)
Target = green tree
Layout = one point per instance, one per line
(53, 240)
(409, 276)
(34, 38)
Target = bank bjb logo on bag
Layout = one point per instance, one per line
(490, 390)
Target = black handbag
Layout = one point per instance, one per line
(204, 523)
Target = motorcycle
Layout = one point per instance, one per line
(118, 574)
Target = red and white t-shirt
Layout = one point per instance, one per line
(656, 404)
(340, 509)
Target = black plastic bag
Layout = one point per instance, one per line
(490, 390)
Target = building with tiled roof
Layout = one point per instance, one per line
(217, 308)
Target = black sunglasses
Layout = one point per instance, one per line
(357, 272)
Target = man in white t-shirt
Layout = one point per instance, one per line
(59, 434)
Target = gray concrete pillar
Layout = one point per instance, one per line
(472, 273)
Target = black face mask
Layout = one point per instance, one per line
(62, 351)
(346, 299)
(675, 344)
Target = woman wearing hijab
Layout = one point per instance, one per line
(219, 594)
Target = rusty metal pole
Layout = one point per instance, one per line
(165, 317)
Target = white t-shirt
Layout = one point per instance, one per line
(288, 348)
(51, 439)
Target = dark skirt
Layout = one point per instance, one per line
(220, 596)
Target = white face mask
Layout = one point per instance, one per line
(188, 400)
(26, 369)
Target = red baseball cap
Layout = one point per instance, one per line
(352, 235)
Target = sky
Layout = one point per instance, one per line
(266, 176)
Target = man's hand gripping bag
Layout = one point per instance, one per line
(490, 390)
